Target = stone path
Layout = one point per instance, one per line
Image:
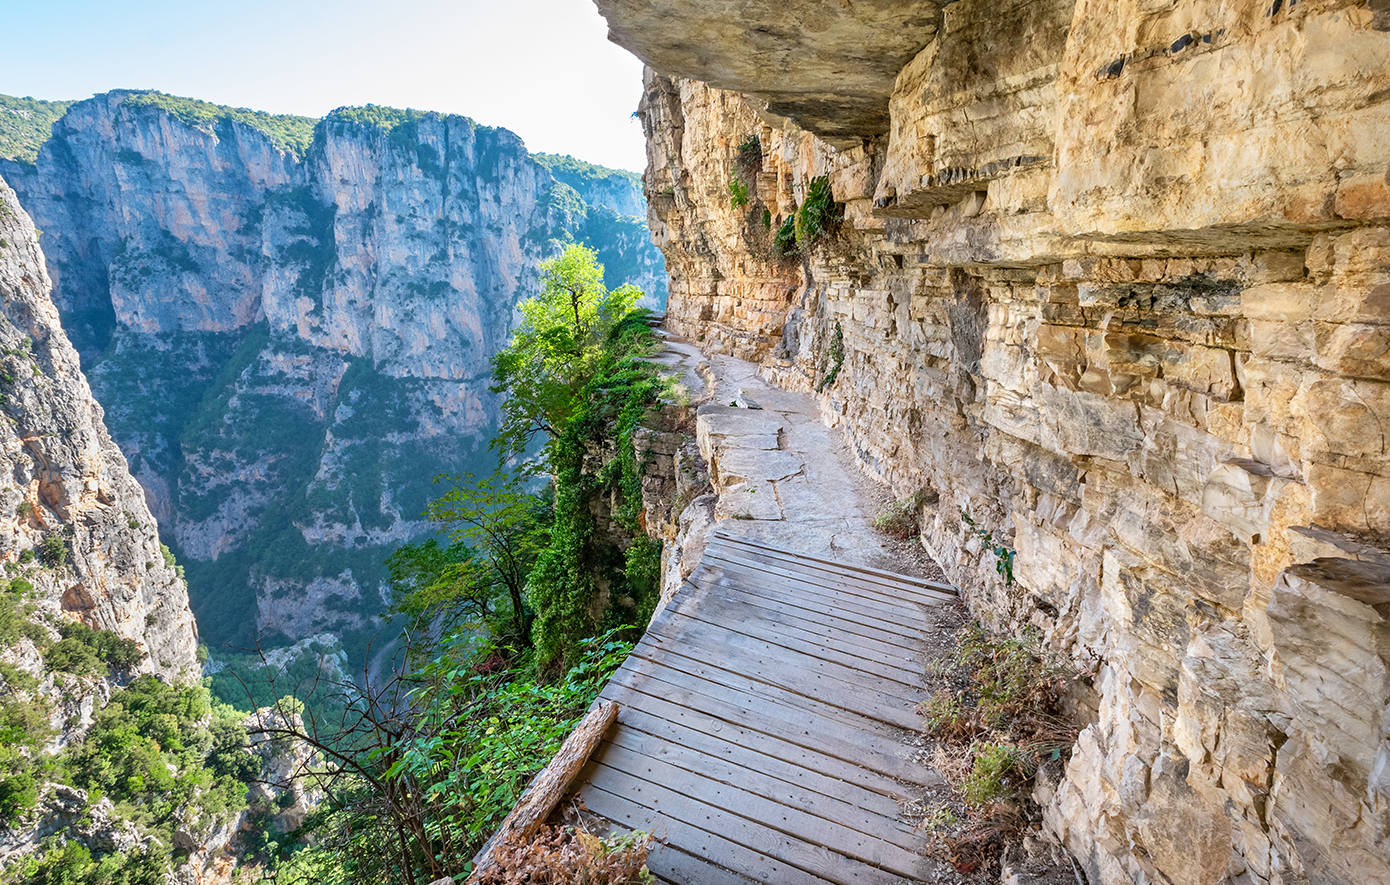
(783, 477)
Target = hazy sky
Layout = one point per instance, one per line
(542, 68)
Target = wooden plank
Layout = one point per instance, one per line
(825, 632)
(724, 680)
(671, 865)
(629, 750)
(776, 831)
(844, 720)
(931, 589)
(905, 624)
(678, 725)
(848, 838)
(894, 642)
(845, 583)
(797, 670)
(774, 759)
(547, 788)
(883, 607)
(815, 733)
(700, 842)
(778, 631)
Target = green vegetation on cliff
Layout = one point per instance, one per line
(286, 131)
(578, 174)
(25, 124)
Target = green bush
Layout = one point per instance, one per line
(53, 550)
(74, 656)
(784, 241)
(738, 193)
(818, 216)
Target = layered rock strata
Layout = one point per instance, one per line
(67, 485)
(1111, 289)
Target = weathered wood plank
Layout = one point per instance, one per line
(672, 865)
(815, 733)
(930, 589)
(809, 853)
(881, 607)
(736, 799)
(849, 713)
(678, 725)
(902, 627)
(892, 642)
(825, 632)
(771, 757)
(698, 841)
(849, 585)
(797, 670)
(627, 749)
(781, 632)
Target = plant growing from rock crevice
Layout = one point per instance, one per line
(836, 356)
(997, 715)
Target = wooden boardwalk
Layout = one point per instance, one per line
(762, 721)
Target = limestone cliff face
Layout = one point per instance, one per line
(66, 478)
(1112, 284)
(290, 348)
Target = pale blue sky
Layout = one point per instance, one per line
(542, 68)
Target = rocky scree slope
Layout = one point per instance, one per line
(1111, 287)
(290, 347)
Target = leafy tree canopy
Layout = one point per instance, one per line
(557, 348)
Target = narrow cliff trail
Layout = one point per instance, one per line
(783, 477)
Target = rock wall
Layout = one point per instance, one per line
(291, 348)
(1111, 286)
(67, 479)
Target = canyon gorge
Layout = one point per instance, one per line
(290, 324)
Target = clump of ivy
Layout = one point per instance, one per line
(836, 355)
(818, 215)
(1003, 554)
(738, 193)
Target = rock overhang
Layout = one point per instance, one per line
(827, 66)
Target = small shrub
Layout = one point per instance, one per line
(902, 519)
(53, 550)
(819, 216)
(836, 355)
(738, 193)
(26, 556)
(784, 241)
(24, 510)
(73, 656)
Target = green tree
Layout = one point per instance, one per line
(557, 349)
(506, 528)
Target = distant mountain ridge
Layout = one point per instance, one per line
(291, 338)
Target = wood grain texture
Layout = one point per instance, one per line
(765, 723)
